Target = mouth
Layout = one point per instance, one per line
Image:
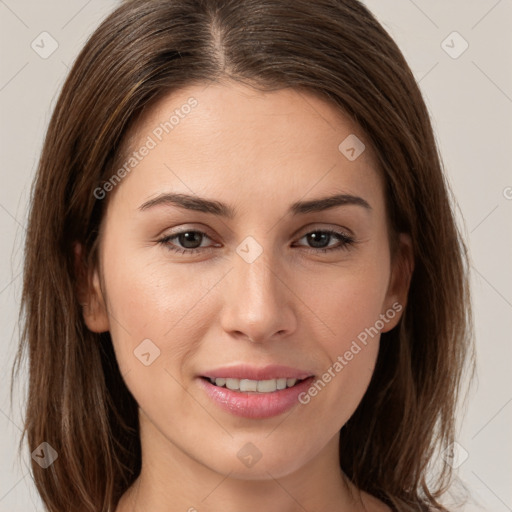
(254, 386)
(255, 399)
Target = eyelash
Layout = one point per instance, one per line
(346, 242)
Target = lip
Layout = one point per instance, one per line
(255, 405)
(273, 371)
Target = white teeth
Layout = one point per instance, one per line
(232, 383)
(248, 385)
(266, 386)
(261, 386)
(281, 383)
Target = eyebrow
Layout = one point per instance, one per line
(213, 207)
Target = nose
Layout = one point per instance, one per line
(259, 304)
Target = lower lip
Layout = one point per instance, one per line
(255, 405)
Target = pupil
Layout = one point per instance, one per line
(314, 239)
(190, 237)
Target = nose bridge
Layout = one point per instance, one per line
(257, 301)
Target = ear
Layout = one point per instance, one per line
(402, 267)
(89, 293)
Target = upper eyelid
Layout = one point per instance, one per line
(318, 226)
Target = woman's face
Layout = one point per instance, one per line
(250, 284)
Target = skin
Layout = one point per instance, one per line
(258, 152)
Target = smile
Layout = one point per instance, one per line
(264, 400)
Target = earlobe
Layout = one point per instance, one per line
(399, 283)
(90, 295)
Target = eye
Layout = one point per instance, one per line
(191, 241)
(320, 239)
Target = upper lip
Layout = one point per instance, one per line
(273, 371)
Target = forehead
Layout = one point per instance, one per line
(226, 106)
(229, 139)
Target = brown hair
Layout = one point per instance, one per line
(77, 399)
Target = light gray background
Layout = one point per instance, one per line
(470, 99)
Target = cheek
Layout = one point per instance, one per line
(156, 326)
(347, 301)
(349, 304)
(149, 302)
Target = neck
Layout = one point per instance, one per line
(172, 481)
